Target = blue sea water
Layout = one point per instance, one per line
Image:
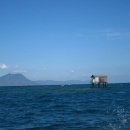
(69, 107)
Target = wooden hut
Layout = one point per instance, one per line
(99, 79)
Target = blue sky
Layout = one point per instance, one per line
(65, 39)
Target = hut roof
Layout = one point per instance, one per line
(98, 76)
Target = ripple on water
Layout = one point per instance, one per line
(65, 107)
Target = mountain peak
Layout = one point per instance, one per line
(15, 80)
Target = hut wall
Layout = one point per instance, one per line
(103, 79)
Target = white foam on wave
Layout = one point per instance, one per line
(121, 118)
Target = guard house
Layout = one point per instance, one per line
(99, 79)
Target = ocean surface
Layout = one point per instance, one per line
(68, 107)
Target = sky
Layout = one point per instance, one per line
(65, 39)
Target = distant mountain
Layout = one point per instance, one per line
(20, 80)
(52, 82)
(15, 80)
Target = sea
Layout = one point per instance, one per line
(65, 107)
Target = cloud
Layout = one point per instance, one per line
(90, 33)
(80, 35)
(16, 66)
(118, 34)
(20, 71)
(72, 72)
(107, 33)
(3, 66)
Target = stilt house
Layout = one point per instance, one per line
(99, 79)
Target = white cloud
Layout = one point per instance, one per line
(72, 71)
(3, 66)
(118, 34)
(107, 33)
(16, 66)
(20, 71)
(80, 35)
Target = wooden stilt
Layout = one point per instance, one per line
(92, 85)
(99, 84)
(103, 84)
(106, 84)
